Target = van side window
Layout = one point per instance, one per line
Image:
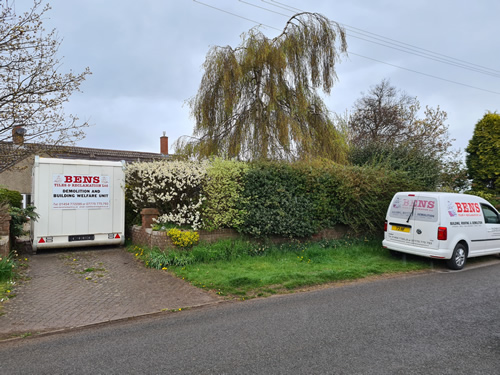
(490, 215)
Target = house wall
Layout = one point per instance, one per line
(18, 178)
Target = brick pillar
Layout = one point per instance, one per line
(149, 215)
(4, 231)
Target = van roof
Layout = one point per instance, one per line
(437, 194)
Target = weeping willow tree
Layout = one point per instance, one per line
(260, 100)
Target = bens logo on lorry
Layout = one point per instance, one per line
(80, 181)
(80, 191)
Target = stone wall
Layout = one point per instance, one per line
(145, 236)
(151, 238)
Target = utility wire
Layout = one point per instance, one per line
(352, 53)
(235, 15)
(397, 45)
(425, 74)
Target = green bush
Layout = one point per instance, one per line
(11, 197)
(222, 191)
(365, 195)
(422, 169)
(322, 186)
(276, 202)
(19, 216)
(355, 196)
(483, 155)
(12, 201)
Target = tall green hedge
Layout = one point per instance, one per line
(355, 196)
(285, 199)
(222, 189)
(276, 202)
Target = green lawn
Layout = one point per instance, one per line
(246, 269)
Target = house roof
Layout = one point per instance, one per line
(12, 153)
(66, 152)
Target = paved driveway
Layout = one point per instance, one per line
(82, 287)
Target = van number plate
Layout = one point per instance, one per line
(401, 229)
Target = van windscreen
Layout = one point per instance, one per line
(424, 208)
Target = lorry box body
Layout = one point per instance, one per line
(442, 225)
(79, 203)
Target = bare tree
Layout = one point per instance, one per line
(260, 101)
(388, 116)
(32, 90)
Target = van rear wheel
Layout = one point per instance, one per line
(395, 254)
(458, 259)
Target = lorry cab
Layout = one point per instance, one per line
(446, 226)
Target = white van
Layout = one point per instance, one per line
(442, 226)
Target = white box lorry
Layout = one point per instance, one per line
(79, 203)
(446, 226)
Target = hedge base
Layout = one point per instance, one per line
(159, 239)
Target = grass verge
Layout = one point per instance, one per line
(246, 269)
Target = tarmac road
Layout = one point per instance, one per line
(431, 323)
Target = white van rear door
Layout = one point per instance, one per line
(412, 220)
(425, 222)
(399, 227)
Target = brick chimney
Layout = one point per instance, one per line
(18, 135)
(164, 144)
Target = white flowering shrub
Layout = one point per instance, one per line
(173, 187)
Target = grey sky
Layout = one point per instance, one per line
(146, 58)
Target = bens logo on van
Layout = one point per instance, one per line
(463, 209)
(419, 203)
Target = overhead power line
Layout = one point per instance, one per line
(399, 46)
(395, 44)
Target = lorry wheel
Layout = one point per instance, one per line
(458, 258)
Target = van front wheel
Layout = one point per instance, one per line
(458, 259)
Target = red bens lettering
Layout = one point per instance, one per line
(467, 207)
(472, 207)
(81, 179)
